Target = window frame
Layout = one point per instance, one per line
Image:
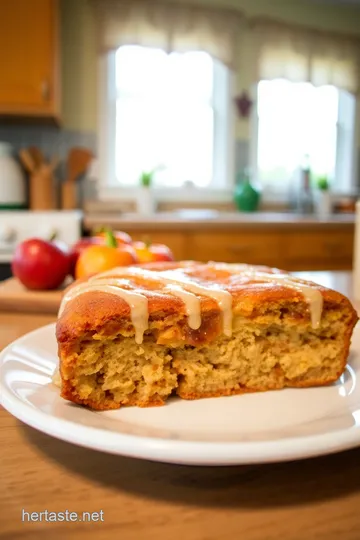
(271, 194)
(224, 143)
(352, 184)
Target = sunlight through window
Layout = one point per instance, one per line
(297, 119)
(165, 116)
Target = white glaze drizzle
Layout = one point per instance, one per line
(312, 296)
(192, 304)
(180, 285)
(231, 268)
(222, 297)
(138, 303)
(174, 277)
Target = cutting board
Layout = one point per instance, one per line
(16, 298)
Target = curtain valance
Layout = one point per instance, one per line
(170, 26)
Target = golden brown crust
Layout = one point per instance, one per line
(94, 311)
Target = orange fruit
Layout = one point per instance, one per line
(143, 253)
(99, 258)
(152, 252)
(120, 236)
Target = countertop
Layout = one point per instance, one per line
(313, 499)
(189, 220)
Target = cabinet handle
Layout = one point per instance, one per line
(45, 90)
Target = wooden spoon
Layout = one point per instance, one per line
(37, 155)
(27, 160)
(77, 164)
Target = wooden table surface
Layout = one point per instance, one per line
(139, 500)
(14, 297)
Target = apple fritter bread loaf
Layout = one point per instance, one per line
(134, 336)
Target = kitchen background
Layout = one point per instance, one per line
(79, 70)
(297, 232)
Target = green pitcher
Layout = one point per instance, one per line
(246, 196)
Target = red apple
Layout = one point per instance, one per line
(39, 264)
(161, 252)
(79, 247)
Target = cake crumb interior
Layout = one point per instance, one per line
(267, 352)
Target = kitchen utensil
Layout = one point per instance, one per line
(41, 192)
(77, 164)
(27, 160)
(12, 181)
(36, 155)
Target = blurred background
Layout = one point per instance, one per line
(226, 129)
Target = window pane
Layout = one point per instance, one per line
(188, 153)
(140, 70)
(191, 76)
(164, 116)
(178, 137)
(295, 119)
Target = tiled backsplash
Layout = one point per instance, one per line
(51, 140)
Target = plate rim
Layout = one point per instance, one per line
(169, 450)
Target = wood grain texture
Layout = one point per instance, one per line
(42, 194)
(78, 161)
(313, 499)
(14, 297)
(252, 247)
(14, 325)
(30, 74)
(289, 249)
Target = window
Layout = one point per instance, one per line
(168, 112)
(298, 119)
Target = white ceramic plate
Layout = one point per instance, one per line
(251, 428)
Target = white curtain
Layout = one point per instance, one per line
(170, 26)
(302, 54)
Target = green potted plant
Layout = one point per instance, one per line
(323, 203)
(145, 200)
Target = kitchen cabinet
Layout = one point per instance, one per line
(29, 59)
(322, 248)
(325, 250)
(232, 246)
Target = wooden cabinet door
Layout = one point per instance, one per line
(28, 41)
(235, 247)
(326, 250)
